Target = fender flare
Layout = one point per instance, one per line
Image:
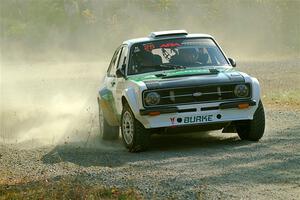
(255, 87)
(130, 96)
(256, 90)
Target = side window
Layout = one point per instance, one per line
(123, 57)
(113, 63)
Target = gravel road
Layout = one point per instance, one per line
(209, 166)
(189, 166)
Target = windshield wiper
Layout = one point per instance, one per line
(213, 71)
(160, 75)
(169, 66)
(172, 66)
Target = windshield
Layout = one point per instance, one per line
(174, 53)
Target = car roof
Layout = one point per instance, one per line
(155, 36)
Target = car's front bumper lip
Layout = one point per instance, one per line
(165, 110)
(227, 105)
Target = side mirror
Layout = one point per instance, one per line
(232, 62)
(120, 71)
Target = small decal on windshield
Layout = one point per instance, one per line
(149, 47)
(171, 44)
(136, 49)
(172, 120)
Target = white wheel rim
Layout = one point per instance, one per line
(127, 126)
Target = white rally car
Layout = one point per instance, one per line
(173, 81)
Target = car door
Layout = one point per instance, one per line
(112, 78)
(120, 81)
(110, 85)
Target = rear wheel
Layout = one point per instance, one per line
(135, 137)
(254, 129)
(107, 132)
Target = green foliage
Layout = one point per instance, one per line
(65, 188)
(88, 25)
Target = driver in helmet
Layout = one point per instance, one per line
(142, 57)
(144, 61)
(202, 56)
(187, 57)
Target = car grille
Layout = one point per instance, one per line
(201, 94)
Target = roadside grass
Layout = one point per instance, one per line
(65, 188)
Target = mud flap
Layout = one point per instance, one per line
(229, 129)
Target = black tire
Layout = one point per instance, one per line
(107, 132)
(253, 130)
(141, 136)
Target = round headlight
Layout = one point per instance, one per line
(152, 98)
(241, 90)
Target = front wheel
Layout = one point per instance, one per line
(254, 129)
(107, 132)
(135, 137)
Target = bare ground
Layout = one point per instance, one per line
(48, 138)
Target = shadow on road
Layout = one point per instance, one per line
(229, 151)
(113, 154)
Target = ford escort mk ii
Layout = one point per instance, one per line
(173, 81)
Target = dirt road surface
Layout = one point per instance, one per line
(49, 132)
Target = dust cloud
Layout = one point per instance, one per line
(54, 53)
(49, 103)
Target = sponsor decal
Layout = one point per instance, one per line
(149, 47)
(171, 44)
(197, 119)
(172, 120)
(192, 119)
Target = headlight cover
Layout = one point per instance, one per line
(241, 90)
(152, 98)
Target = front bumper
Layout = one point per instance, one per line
(196, 114)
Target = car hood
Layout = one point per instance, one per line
(188, 78)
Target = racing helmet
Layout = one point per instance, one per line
(188, 55)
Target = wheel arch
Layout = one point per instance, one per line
(130, 98)
(256, 91)
(124, 101)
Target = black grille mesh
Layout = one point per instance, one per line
(200, 94)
